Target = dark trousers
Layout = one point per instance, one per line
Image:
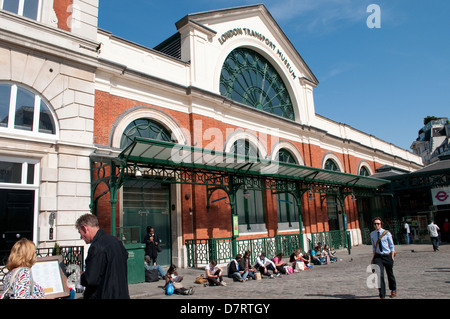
(215, 281)
(385, 262)
(435, 243)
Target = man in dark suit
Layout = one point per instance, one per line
(106, 275)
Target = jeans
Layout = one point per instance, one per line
(237, 275)
(161, 272)
(435, 243)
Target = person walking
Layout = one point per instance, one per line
(383, 256)
(434, 235)
(407, 233)
(105, 275)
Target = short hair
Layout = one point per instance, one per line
(87, 220)
(23, 254)
(377, 218)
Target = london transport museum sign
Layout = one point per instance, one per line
(248, 32)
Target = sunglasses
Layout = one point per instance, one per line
(377, 223)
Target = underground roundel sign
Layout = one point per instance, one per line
(441, 196)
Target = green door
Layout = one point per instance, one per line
(147, 203)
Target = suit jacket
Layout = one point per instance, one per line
(106, 274)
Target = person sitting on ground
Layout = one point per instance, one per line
(331, 254)
(279, 264)
(261, 263)
(295, 256)
(149, 266)
(315, 256)
(245, 265)
(214, 274)
(306, 257)
(172, 276)
(235, 272)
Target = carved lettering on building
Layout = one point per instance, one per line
(257, 35)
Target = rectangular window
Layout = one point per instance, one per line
(24, 110)
(5, 98)
(30, 174)
(11, 6)
(26, 8)
(10, 172)
(30, 9)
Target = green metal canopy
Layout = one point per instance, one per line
(150, 152)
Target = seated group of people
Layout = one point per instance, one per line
(317, 256)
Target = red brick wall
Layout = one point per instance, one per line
(198, 221)
(61, 8)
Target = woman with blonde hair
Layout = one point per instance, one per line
(18, 282)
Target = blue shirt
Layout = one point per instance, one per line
(387, 243)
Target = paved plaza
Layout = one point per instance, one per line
(421, 273)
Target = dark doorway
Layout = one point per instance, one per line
(16, 218)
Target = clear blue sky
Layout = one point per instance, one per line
(382, 81)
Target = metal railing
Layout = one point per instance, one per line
(202, 251)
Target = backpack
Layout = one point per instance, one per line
(151, 275)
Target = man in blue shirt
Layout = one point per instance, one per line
(383, 256)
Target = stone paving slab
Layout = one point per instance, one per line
(421, 273)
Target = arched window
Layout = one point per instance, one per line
(21, 109)
(144, 128)
(286, 157)
(331, 166)
(287, 208)
(248, 78)
(245, 148)
(364, 171)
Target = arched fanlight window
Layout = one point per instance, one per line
(286, 157)
(245, 148)
(248, 78)
(364, 171)
(144, 128)
(331, 166)
(21, 109)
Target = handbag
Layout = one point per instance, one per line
(300, 265)
(201, 280)
(6, 293)
(170, 288)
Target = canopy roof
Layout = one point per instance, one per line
(171, 155)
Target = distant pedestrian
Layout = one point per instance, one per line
(434, 235)
(105, 276)
(383, 257)
(407, 233)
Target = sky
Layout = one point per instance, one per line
(381, 70)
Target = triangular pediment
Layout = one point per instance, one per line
(251, 23)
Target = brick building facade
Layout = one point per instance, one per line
(102, 90)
